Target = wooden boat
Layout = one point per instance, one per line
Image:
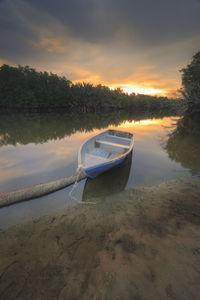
(104, 151)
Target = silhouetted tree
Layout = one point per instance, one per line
(191, 85)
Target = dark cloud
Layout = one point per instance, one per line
(160, 21)
(148, 22)
(89, 19)
(140, 23)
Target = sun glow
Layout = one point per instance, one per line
(129, 89)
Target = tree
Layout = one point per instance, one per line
(191, 85)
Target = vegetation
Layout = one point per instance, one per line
(25, 89)
(183, 144)
(191, 85)
(191, 93)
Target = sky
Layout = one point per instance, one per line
(138, 45)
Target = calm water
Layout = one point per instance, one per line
(35, 149)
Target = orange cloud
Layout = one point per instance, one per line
(4, 61)
(80, 61)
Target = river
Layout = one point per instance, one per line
(40, 148)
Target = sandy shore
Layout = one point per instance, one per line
(138, 244)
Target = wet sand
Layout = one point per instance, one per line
(138, 244)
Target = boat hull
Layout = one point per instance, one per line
(94, 172)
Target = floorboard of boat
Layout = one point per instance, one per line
(92, 160)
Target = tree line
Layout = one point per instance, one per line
(25, 89)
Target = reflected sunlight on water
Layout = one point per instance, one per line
(127, 124)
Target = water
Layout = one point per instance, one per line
(41, 148)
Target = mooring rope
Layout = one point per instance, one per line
(78, 171)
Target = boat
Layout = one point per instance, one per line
(104, 151)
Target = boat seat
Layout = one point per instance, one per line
(118, 137)
(112, 144)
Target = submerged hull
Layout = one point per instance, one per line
(110, 182)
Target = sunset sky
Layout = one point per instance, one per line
(139, 46)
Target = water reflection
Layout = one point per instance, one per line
(184, 147)
(108, 183)
(41, 128)
(41, 148)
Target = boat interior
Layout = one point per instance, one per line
(105, 147)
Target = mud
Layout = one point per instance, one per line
(138, 244)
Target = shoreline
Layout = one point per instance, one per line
(138, 244)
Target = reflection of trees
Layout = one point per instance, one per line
(183, 146)
(39, 128)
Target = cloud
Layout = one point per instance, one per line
(111, 42)
(145, 22)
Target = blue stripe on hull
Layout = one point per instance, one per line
(94, 172)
